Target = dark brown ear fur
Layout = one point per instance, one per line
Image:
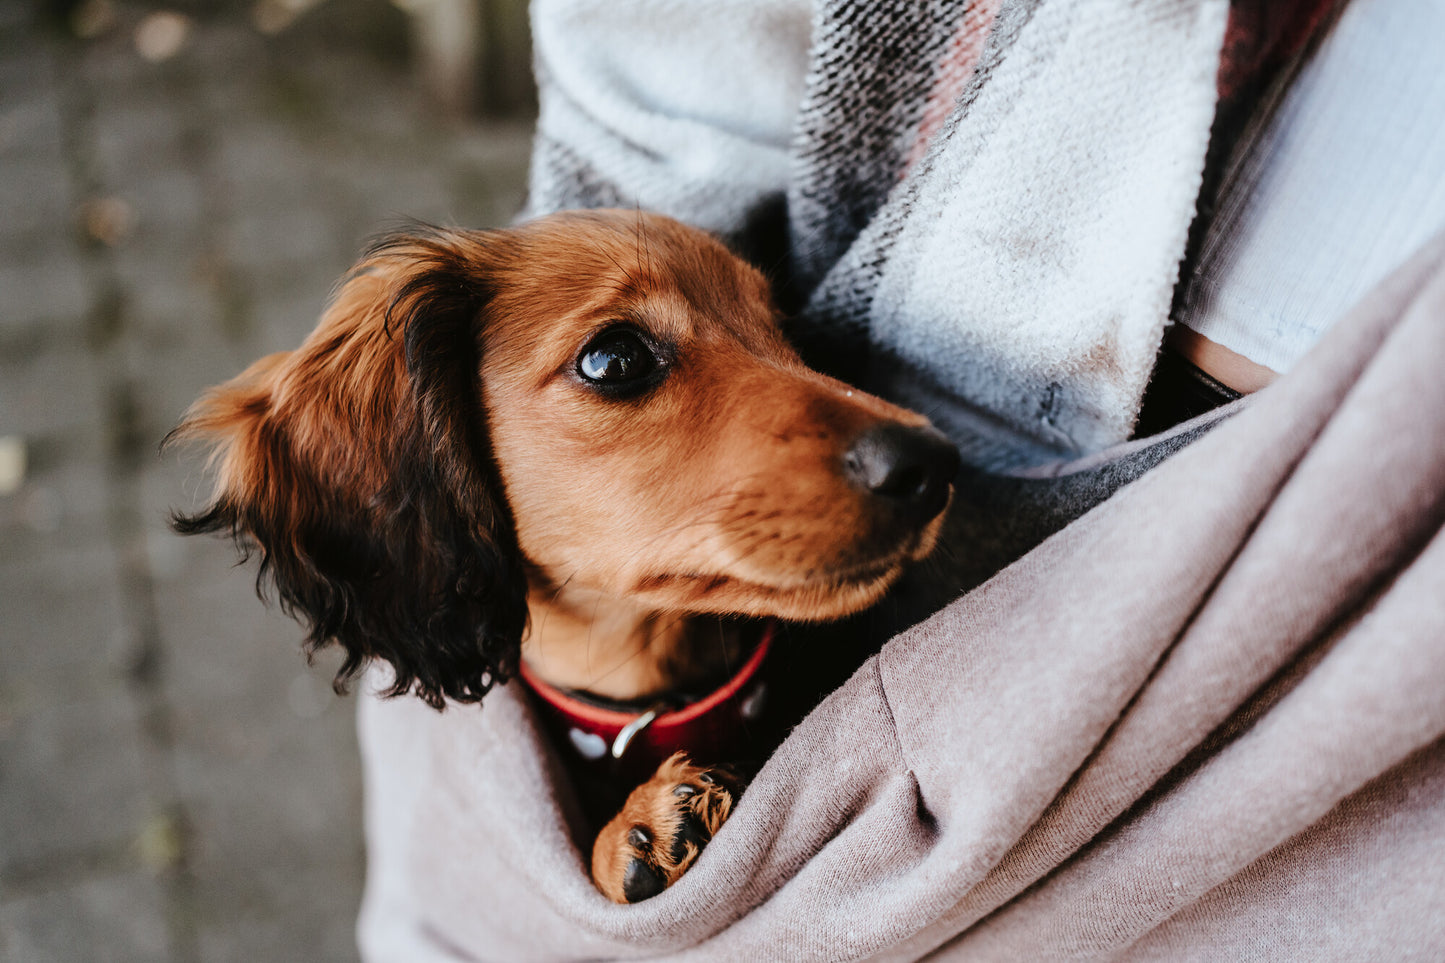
(358, 465)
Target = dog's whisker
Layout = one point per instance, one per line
(723, 649)
(642, 240)
(704, 517)
(591, 625)
(626, 273)
(540, 633)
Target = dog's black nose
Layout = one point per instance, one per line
(910, 467)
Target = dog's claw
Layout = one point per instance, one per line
(684, 789)
(639, 836)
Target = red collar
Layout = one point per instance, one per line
(711, 730)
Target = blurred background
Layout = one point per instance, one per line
(179, 187)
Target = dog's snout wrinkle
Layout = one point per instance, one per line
(909, 467)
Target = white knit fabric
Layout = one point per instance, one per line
(680, 107)
(1035, 275)
(1025, 263)
(1346, 179)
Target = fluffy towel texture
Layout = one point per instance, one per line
(1157, 735)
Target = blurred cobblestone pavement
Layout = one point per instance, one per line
(176, 197)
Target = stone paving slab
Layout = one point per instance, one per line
(176, 783)
(86, 794)
(110, 915)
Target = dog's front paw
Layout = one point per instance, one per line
(662, 828)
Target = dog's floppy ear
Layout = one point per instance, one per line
(358, 466)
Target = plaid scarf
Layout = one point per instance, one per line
(992, 196)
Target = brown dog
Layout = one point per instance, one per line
(589, 425)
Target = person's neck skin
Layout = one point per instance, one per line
(1229, 368)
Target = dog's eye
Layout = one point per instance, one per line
(617, 358)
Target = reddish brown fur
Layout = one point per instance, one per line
(311, 394)
(427, 471)
(720, 494)
(656, 806)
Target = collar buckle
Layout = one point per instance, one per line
(633, 728)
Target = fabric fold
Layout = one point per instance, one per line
(1101, 742)
(1209, 702)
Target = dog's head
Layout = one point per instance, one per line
(601, 400)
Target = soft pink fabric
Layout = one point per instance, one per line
(1202, 722)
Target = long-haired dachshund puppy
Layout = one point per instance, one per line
(579, 449)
